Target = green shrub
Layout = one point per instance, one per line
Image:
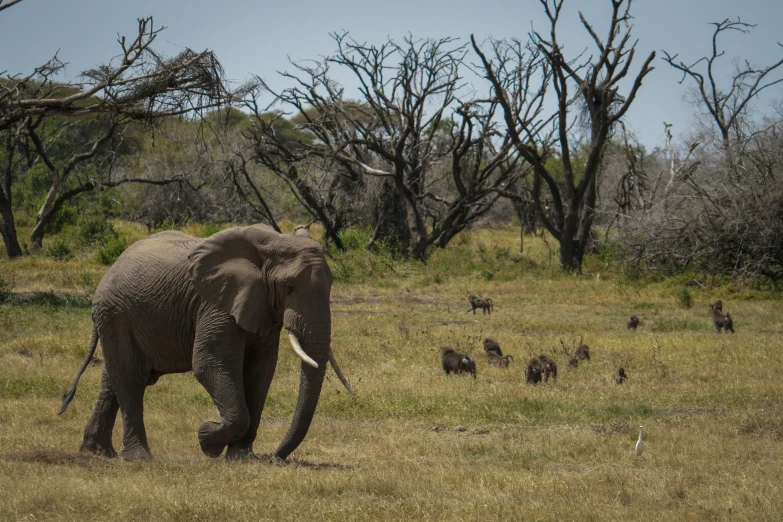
(67, 215)
(95, 231)
(354, 239)
(58, 250)
(683, 297)
(209, 229)
(109, 254)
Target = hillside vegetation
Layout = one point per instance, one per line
(415, 444)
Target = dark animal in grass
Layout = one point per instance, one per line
(621, 376)
(583, 352)
(573, 363)
(25, 353)
(548, 367)
(719, 319)
(491, 346)
(633, 322)
(453, 361)
(533, 371)
(497, 360)
(476, 302)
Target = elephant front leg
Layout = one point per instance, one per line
(222, 377)
(260, 365)
(98, 431)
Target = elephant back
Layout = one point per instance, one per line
(155, 265)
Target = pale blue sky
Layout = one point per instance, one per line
(258, 37)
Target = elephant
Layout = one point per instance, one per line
(173, 303)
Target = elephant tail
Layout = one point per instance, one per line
(68, 396)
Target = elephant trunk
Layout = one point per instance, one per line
(310, 381)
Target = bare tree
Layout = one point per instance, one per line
(589, 104)
(727, 107)
(138, 86)
(411, 127)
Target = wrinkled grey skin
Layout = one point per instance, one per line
(496, 360)
(453, 361)
(533, 371)
(719, 319)
(491, 346)
(174, 303)
(633, 322)
(548, 367)
(485, 305)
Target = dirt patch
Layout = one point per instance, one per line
(615, 428)
(58, 458)
(357, 312)
(305, 464)
(761, 427)
(355, 299)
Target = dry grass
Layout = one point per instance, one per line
(415, 444)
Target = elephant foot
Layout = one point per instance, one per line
(240, 453)
(205, 440)
(135, 453)
(105, 450)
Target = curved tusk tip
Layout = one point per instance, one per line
(312, 363)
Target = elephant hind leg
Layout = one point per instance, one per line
(223, 380)
(98, 431)
(129, 371)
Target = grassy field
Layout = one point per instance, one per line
(414, 444)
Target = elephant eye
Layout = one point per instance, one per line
(289, 288)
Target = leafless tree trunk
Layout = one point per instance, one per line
(522, 75)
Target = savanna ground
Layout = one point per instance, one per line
(414, 443)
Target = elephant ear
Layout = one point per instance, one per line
(227, 271)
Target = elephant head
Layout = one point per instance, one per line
(266, 280)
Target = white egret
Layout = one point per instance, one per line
(639, 443)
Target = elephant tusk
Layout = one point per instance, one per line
(301, 353)
(339, 372)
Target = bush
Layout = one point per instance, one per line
(354, 239)
(209, 229)
(95, 231)
(109, 254)
(58, 250)
(683, 297)
(67, 215)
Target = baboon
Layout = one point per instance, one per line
(453, 361)
(491, 346)
(533, 371)
(573, 363)
(621, 376)
(633, 322)
(496, 360)
(719, 319)
(583, 352)
(485, 304)
(548, 366)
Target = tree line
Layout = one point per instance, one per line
(438, 134)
